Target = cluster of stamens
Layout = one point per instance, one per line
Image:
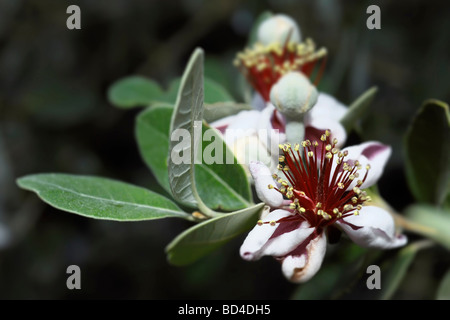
(317, 176)
(264, 65)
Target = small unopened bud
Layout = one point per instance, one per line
(293, 94)
(277, 29)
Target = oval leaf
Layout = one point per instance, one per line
(152, 135)
(134, 91)
(358, 108)
(396, 271)
(187, 114)
(207, 236)
(215, 92)
(100, 198)
(435, 222)
(427, 151)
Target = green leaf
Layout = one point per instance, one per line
(187, 119)
(215, 92)
(435, 222)
(443, 292)
(209, 235)
(134, 91)
(100, 198)
(221, 110)
(220, 186)
(152, 135)
(358, 108)
(184, 155)
(427, 152)
(393, 274)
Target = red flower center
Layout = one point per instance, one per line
(263, 65)
(317, 178)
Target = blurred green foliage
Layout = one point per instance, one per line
(55, 116)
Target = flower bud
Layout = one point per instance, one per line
(277, 28)
(293, 95)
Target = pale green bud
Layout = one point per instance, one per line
(293, 94)
(277, 28)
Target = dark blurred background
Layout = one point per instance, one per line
(55, 117)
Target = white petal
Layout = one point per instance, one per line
(327, 107)
(245, 119)
(301, 268)
(258, 102)
(258, 237)
(326, 114)
(370, 153)
(283, 244)
(263, 178)
(269, 135)
(377, 229)
(243, 124)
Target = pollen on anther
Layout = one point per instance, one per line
(259, 223)
(348, 207)
(270, 186)
(273, 223)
